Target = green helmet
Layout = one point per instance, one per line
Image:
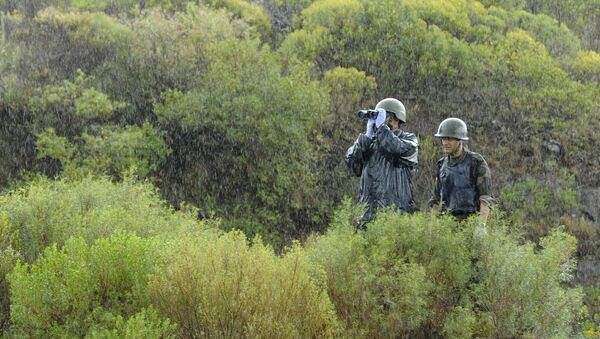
(452, 128)
(394, 106)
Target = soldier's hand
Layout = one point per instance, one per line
(480, 231)
(381, 116)
(370, 128)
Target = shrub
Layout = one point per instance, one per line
(522, 288)
(144, 324)
(246, 157)
(422, 276)
(46, 212)
(222, 287)
(461, 323)
(67, 121)
(250, 12)
(402, 275)
(111, 150)
(8, 259)
(536, 204)
(73, 290)
(91, 39)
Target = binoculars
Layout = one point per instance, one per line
(366, 114)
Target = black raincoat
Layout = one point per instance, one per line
(386, 165)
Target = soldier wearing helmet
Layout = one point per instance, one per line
(463, 178)
(385, 158)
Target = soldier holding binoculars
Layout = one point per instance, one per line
(385, 158)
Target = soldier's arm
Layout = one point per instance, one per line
(435, 198)
(484, 180)
(358, 153)
(404, 146)
(484, 212)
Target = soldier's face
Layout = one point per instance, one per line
(391, 121)
(451, 146)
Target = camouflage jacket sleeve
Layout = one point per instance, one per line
(483, 180)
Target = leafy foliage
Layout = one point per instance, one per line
(8, 259)
(168, 52)
(225, 288)
(421, 276)
(118, 152)
(527, 199)
(83, 289)
(241, 155)
(586, 66)
(92, 40)
(76, 111)
(248, 11)
(72, 105)
(245, 109)
(45, 213)
(376, 295)
(521, 289)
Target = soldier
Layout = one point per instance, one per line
(463, 178)
(385, 158)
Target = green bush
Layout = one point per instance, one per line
(71, 121)
(8, 259)
(585, 66)
(45, 212)
(248, 11)
(591, 326)
(71, 106)
(109, 150)
(247, 157)
(91, 39)
(81, 289)
(400, 276)
(522, 289)
(536, 204)
(421, 276)
(225, 288)
(115, 151)
(142, 325)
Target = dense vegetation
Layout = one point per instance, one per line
(158, 154)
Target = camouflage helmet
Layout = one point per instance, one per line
(394, 106)
(452, 128)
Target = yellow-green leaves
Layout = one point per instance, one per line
(349, 88)
(451, 16)
(78, 99)
(226, 287)
(586, 66)
(81, 289)
(331, 14)
(51, 145)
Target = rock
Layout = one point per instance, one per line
(552, 146)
